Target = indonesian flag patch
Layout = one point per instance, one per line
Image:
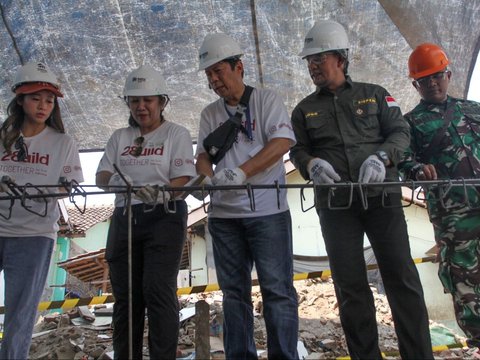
(391, 101)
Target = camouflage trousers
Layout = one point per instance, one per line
(458, 236)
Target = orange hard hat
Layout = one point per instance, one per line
(426, 59)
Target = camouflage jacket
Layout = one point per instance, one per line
(456, 155)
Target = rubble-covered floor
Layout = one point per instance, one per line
(69, 336)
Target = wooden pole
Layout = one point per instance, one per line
(202, 330)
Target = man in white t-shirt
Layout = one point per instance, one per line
(242, 236)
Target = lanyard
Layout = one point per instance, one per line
(248, 123)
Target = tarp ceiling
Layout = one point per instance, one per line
(92, 44)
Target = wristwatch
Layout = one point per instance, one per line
(382, 155)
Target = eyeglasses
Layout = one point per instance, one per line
(317, 59)
(138, 146)
(439, 76)
(22, 153)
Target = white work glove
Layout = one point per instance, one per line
(229, 177)
(3, 185)
(372, 170)
(321, 172)
(116, 183)
(46, 191)
(152, 195)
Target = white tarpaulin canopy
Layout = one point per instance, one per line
(92, 45)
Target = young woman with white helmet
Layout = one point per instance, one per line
(34, 149)
(151, 150)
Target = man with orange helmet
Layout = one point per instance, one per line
(445, 144)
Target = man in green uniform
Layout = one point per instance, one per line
(354, 132)
(445, 144)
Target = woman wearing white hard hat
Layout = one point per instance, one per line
(34, 150)
(150, 152)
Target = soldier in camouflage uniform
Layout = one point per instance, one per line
(445, 144)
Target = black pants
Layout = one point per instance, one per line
(157, 243)
(343, 231)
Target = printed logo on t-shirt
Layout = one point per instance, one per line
(67, 169)
(272, 130)
(33, 158)
(253, 122)
(178, 162)
(147, 151)
(287, 125)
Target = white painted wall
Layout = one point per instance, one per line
(198, 261)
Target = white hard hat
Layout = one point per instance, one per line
(33, 77)
(215, 48)
(145, 81)
(325, 35)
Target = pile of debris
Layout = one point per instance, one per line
(84, 334)
(78, 334)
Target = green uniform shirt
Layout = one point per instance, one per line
(456, 153)
(347, 127)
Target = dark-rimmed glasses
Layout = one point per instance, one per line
(317, 59)
(22, 153)
(439, 76)
(138, 146)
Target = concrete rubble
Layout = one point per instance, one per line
(85, 333)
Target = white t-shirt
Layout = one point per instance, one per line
(167, 154)
(270, 120)
(51, 155)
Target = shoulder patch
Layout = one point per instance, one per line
(364, 101)
(391, 102)
(311, 114)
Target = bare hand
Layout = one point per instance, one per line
(427, 172)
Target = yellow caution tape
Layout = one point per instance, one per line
(71, 303)
(437, 348)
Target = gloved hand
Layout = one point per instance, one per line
(116, 183)
(372, 170)
(152, 195)
(46, 191)
(229, 177)
(321, 172)
(3, 185)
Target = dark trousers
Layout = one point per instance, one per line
(343, 231)
(157, 243)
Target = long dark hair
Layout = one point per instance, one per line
(163, 98)
(10, 129)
